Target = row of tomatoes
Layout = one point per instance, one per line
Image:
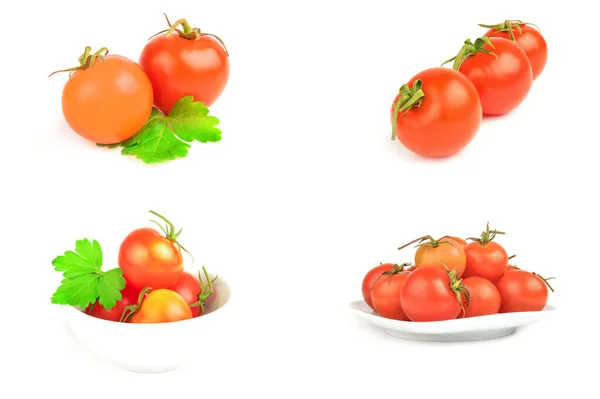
(440, 110)
(452, 278)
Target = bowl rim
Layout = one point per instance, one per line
(73, 310)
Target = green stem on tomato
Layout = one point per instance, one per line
(486, 236)
(410, 97)
(508, 25)
(170, 233)
(205, 291)
(86, 60)
(469, 49)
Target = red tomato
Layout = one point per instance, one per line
(369, 280)
(114, 313)
(486, 258)
(162, 306)
(197, 294)
(185, 63)
(432, 294)
(150, 259)
(437, 113)
(523, 291)
(107, 99)
(528, 38)
(443, 253)
(484, 297)
(502, 79)
(386, 293)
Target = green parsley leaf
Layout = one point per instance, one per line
(165, 138)
(84, 280)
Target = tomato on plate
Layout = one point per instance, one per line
(370, 278)
(437, 113)
(499, 69)
(151, 259)
(485, 257)
(107, 99)
(386, 293)
(443, 253)
(194, 291)
(160, 306)
(129, 297)
(432, 294)
(526, 36)
(485, 297)
(523, 291)
(185, 62)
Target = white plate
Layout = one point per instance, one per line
(469, 329)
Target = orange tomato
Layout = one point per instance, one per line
(107, 99)
(444, 252)
(162, 306)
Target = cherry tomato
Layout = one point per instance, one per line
(185, 63)
(196, 293)
(432, 294)
(443, 253)
(129, 297)
(523, 291)
(437, 113)
(486, 258)
(386, 293)
(150, 259)
(162, 306)
(528, 38)
(107, 99)
(369, 280)
(484, 297)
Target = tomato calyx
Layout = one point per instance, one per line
(396, 269)
(410, 97)
(508, 26)
(545, 280)
(130, 310)
(205, 290)
(458, 288)
(170, 232)
(187, 32)
(429, 240)
(487, 236)
(86, 60)
(469, 49)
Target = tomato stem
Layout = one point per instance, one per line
(409, 98)
(188, 32)
(545, 280)
(511, 257)
(486, 236)
(468, 49)
(170, 232)
(130, 310)
(396, 269)
(434, 243)
(205, 291)
(508, 25)
(86, 60)
(459, 288)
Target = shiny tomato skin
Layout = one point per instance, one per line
(488, 260)
(179, 67)
(450, 255)
(369, 280)
(522, 291)
(109, 102)
(484, 297)
(427, 296)
(113, 314)
(533, 44)
(503, 82)
(188, 286)
(449, 116)
(162, 306)
(386, 296)
(148, 259)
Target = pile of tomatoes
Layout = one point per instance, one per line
(109, 98)
(453, 278)
(157, 289)
(439, 111)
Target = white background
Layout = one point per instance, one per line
(305, 193)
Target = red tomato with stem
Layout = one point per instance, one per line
(185, 62)
(485, 257)
(370, 278)
(437, 113)
(151, 259)
(195, 292)
(523, 291)
(499, 69)
(158, 306)
(485, 298)
(129, 297)
(432, 294)
(443, 253)
(107, 99)
(386, 293)
(526, 36)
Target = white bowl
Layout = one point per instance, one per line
(469, 329)
(150, 348)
